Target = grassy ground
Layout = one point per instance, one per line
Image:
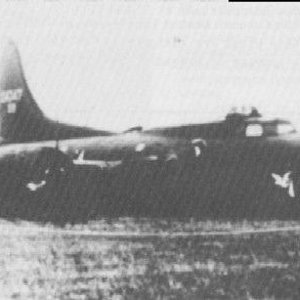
(55, 266)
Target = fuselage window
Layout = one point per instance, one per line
(254, 130)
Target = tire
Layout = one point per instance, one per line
(48, 170)
(286, 187)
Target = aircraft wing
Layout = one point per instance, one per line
(132, 147)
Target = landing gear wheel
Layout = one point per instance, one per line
(45, 186)
(48, 171)
(288, 181)
(288, 184)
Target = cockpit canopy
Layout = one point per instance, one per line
(268, 128)
(254, 125)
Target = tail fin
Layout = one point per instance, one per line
(21, 120)
(20, 116)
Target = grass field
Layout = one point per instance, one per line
(41, 261)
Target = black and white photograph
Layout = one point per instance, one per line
(149, 150)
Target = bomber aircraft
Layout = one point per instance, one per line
(243, 153)
(34, 149)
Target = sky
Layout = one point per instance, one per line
(118, 64)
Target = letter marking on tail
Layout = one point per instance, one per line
(8, 96)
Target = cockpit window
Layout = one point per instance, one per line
(269, 129)
(254, 130)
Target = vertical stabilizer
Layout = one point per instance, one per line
(21, 120)
(20, 116)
